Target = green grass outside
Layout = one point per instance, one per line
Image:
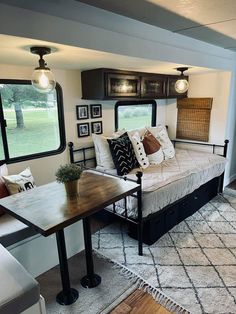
(134, 122)
(39, 135)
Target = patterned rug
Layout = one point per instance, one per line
(194, 263)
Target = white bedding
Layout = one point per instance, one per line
(173, 179)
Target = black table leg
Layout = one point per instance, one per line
(68, 295)
(91, 280)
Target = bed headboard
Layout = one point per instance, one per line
(213, 146)
(84, 156)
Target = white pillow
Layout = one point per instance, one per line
(156, 158)
(19, 182)
(140, 131)
(102, 151)
(161, 134)
(139, 149)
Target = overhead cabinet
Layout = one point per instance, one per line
(122, 85)
(153, 86)
(115, 84)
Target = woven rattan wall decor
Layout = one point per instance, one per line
(193, 120)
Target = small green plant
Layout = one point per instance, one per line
(68, 172)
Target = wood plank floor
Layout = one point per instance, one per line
(139, 302)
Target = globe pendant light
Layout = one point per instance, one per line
(181, 85)
(42, 78)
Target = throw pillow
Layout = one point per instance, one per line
(123, 154)
(102, 151)
(161, 134)
(20, 182)
(3, 190)
(139, 150)
(150, 143)
(152, 148)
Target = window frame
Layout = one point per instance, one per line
(61, 125)
(137, 103)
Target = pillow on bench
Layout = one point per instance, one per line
(21, 182)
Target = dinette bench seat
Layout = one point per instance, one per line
(18, 290)
(13, 231)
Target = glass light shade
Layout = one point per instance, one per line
(43, 80)
(181, 86)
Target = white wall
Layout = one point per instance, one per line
(230, 173)
(215, 85)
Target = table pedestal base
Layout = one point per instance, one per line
(68, 295)
(68, 298)
(91, 281)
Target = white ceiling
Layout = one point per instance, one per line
(15, 50)
(212, 21)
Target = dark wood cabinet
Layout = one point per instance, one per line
(171, 92)
(108, 84)
(153, 86)
(122, 85)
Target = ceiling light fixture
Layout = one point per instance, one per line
(42, 79)
(181, 85)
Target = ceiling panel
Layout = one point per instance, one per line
(222, 34)
(144, 11)
(199, 11)
(212, 21)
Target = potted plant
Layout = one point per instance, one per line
(69, 174)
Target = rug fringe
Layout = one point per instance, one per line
(143, 285)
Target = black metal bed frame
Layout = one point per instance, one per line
(84, 159)
(139, 221)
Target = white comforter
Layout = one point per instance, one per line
(174, 178)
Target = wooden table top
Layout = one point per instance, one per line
(47, 208)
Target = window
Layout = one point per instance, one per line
(135, 114)
(32, 124)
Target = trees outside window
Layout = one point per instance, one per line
(32, 123)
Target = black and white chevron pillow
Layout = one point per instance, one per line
(123, 154)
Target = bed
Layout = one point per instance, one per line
(171, 191)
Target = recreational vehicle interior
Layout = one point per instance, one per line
(117, 166)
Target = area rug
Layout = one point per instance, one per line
(117, 284)
(114, 288)
(194, 263)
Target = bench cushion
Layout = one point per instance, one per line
(18, 290)
(12, 230)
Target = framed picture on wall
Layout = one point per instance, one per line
(96, 111)
(83, 129)
(97, 127)
(82, 112)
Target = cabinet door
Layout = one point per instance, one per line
(153, 87)
(122, 85)
(171, 92)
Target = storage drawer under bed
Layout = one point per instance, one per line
(158, 224)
